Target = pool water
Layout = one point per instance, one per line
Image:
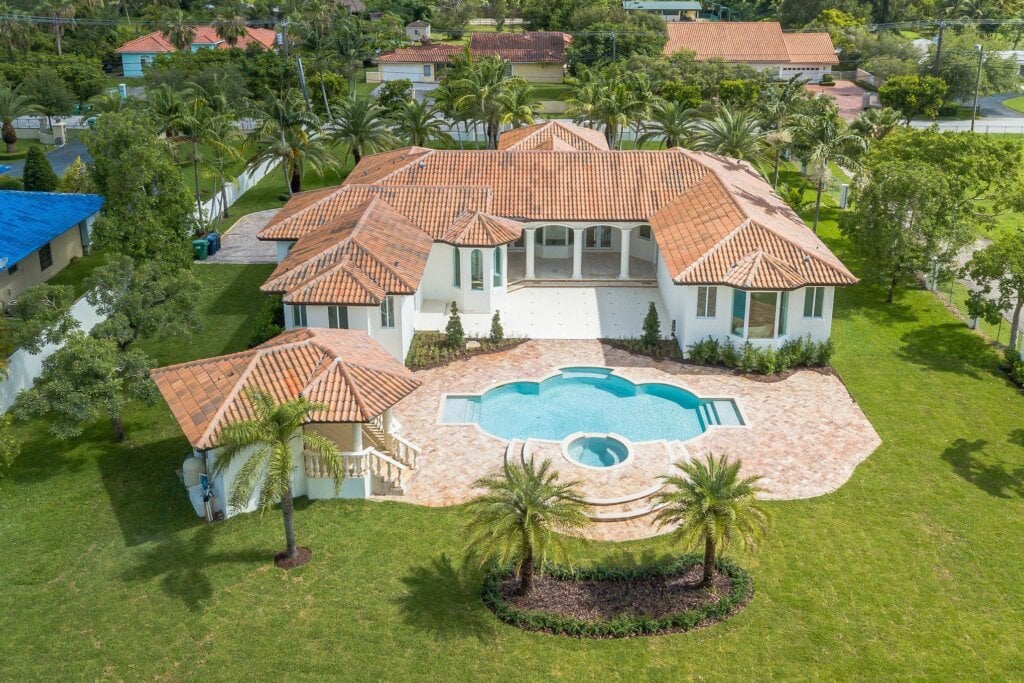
(597, 451)
(590, 400)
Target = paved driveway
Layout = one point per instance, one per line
(239, 243)
(848, 96)
(60, 158)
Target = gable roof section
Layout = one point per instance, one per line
(553, 134)
(420, 54)
(358, 258)
(28, 220)
(344, 369)
(476, 229)
(749, 41)
(531, 46)
(157, 41)
(431, 208)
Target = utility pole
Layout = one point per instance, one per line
(938, 50)
(977, 84)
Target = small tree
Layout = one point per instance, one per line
(76, 179)
(497, 331)
(454, 334)
(521, 516)
(651, 337)
(265, 442)
(9, 445)
(38, 175)
(44, 313)
(998, 269)
(913, 95)
(709, 505)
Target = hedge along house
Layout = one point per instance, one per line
(140, 52)
(351, 374)
(537, 56)
(40, 233)
(702, 236)
(758, 44)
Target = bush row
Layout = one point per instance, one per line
(624, 625)
(1014, 367)
(802, 352)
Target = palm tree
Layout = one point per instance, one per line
(825, 140)
(230, 28)
(612, 109)
(13, 105)
(265, 443)
(222, 137)
(519, 105)
(671, 123)
(288, 133)
(417, 124)
(362, 126)
(875, 124)
(709, 505)
(167, 106)
(519, 516)
(179, 31)
(107, 102)
(15, 30)
(733, 133)
(482, 88)
(776, 116)
(60, 13)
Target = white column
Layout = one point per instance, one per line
(530, 236)
(386, 420)
(357, 436)
(577, 252)
(624, 253)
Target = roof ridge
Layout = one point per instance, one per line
(337, 190)
(207, 434)
(386, 266)
(356, 394)
(716, 247)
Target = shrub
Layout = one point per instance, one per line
(454, 334)
(704, 352)
(827, 79)
(10, 183)
(802, 352)
(728, 355)
(823, 353)
(497, 331)
(652, 328)
(268, 323)
(38, 175)
(748, 357)
(1014, 367)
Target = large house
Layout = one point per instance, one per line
(669, 10)
(411, 230)
(537, 56)
(759, 44)
(139, 53)
(40, 233)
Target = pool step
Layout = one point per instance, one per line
(623, 511)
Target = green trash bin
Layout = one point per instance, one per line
(200, 249)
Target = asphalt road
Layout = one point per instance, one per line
(60, 159)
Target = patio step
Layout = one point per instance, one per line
(568, 282)
(623, 511)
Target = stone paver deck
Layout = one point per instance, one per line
(804, 435)
(239, 243)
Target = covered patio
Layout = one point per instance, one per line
(593, 266)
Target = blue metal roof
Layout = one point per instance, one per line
(28, 220)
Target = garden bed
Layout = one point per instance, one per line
(604, 602)
(431, 349)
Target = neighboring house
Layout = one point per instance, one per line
(537, 56)
(40, 232)
(416, 228)
(139, 53)
(761, 45)
(347, 371)
(417, 31)
(669, 10)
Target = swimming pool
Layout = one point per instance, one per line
(590, 400)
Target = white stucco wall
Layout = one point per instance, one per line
(222, 483)
(813, 72)
(395, 340)
(410, 71)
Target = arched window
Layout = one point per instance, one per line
(497, 279)
(476, 269)
(456, 268)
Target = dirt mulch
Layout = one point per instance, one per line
(603, 600)
(303, 556)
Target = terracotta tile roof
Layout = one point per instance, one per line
(476, 229)
(421, 54)
(357, 258)
(531, 46)
(157, 41)
(553, 134)
(810, 48)
(344, 369)
(431, 208)
(748, 41)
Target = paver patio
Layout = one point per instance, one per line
(239, 243)
(804, 435)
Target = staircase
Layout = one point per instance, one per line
(392, 459)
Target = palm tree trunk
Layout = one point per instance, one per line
(118, 426)
(195, 174)
(287, 180)
(10, 136)
(223, 195)
(775, 179)
(527, 572)
(709, 562)
(57, 33)
(288, 513)
(296, 184)
(323, 92)
(1015, 323)
(817, 205)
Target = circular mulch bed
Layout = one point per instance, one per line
(604, 602)
(303, 556)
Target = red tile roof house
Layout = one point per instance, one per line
(520, 230)
(139, 53)
(760, 44)
(537, 56)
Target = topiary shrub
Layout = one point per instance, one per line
(704, 352)
(455, 335)
(497, 331)
(11, 183)
(651, 336)
(38, 175)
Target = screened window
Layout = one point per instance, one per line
(45, 257)
(814, 302)
(337, 317)
(456, 268)
(707, 302)
(783, 312)
(497, 275)
(427, 69)
(739, 312)
(387, 312)
(759, 315)
(644, 232)
(556, 236)
(599, 237)
(476, 270)
(299, 316)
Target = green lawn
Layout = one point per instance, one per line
(551, 91)
(21, 147)
(1015, 103)
(910, 570)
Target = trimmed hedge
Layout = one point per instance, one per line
(802, 352)
(625, 625)
(1014, 367)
